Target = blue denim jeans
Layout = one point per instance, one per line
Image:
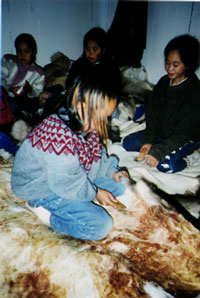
(133, 142)
(81, 219)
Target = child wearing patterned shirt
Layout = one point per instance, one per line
(21, 77)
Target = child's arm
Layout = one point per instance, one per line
(151, 161)
(16, 90)
(144, 151)
(67, 178)
(36, 85)
(117, 175)
(108, 165)
(21, 90)
(4, 73)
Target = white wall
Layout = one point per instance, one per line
(165, 21)
(57, 25)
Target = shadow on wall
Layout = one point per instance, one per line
(128, 30)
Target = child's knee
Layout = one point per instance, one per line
(104, 230)
(132, 142)
(93, 225)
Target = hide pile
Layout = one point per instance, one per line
(56, 71)
(149, 242)
(135, 84)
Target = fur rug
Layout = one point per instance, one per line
(149, 242)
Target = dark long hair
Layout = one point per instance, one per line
(98, 35)
(29, 40)
(188, 48)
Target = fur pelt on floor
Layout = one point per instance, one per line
(149, 242)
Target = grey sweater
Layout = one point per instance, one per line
(49, 162)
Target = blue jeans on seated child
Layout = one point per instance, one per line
(133, 142)
(172, 163)
(81, 219)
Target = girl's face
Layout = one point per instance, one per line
(174, 67)
(25, 54)
(93, 52)
(110, 106)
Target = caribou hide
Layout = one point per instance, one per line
(149, 243)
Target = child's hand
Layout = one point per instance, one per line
(27, 88)
(16, 90)
(144, 151)
(20, 90)
(116, 175)
(151, 161)
(105, 198)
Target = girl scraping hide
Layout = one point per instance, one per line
(62, 166)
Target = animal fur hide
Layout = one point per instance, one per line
(149, 242)
(56, 71)
(136, 84)
(19, 130)
(135, 93)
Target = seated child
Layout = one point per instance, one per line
(62, 167)
(96, 60)
(21, 77)
(172, 118)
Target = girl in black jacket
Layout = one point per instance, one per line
(172, 119)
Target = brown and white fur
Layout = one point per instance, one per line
(147, 243)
